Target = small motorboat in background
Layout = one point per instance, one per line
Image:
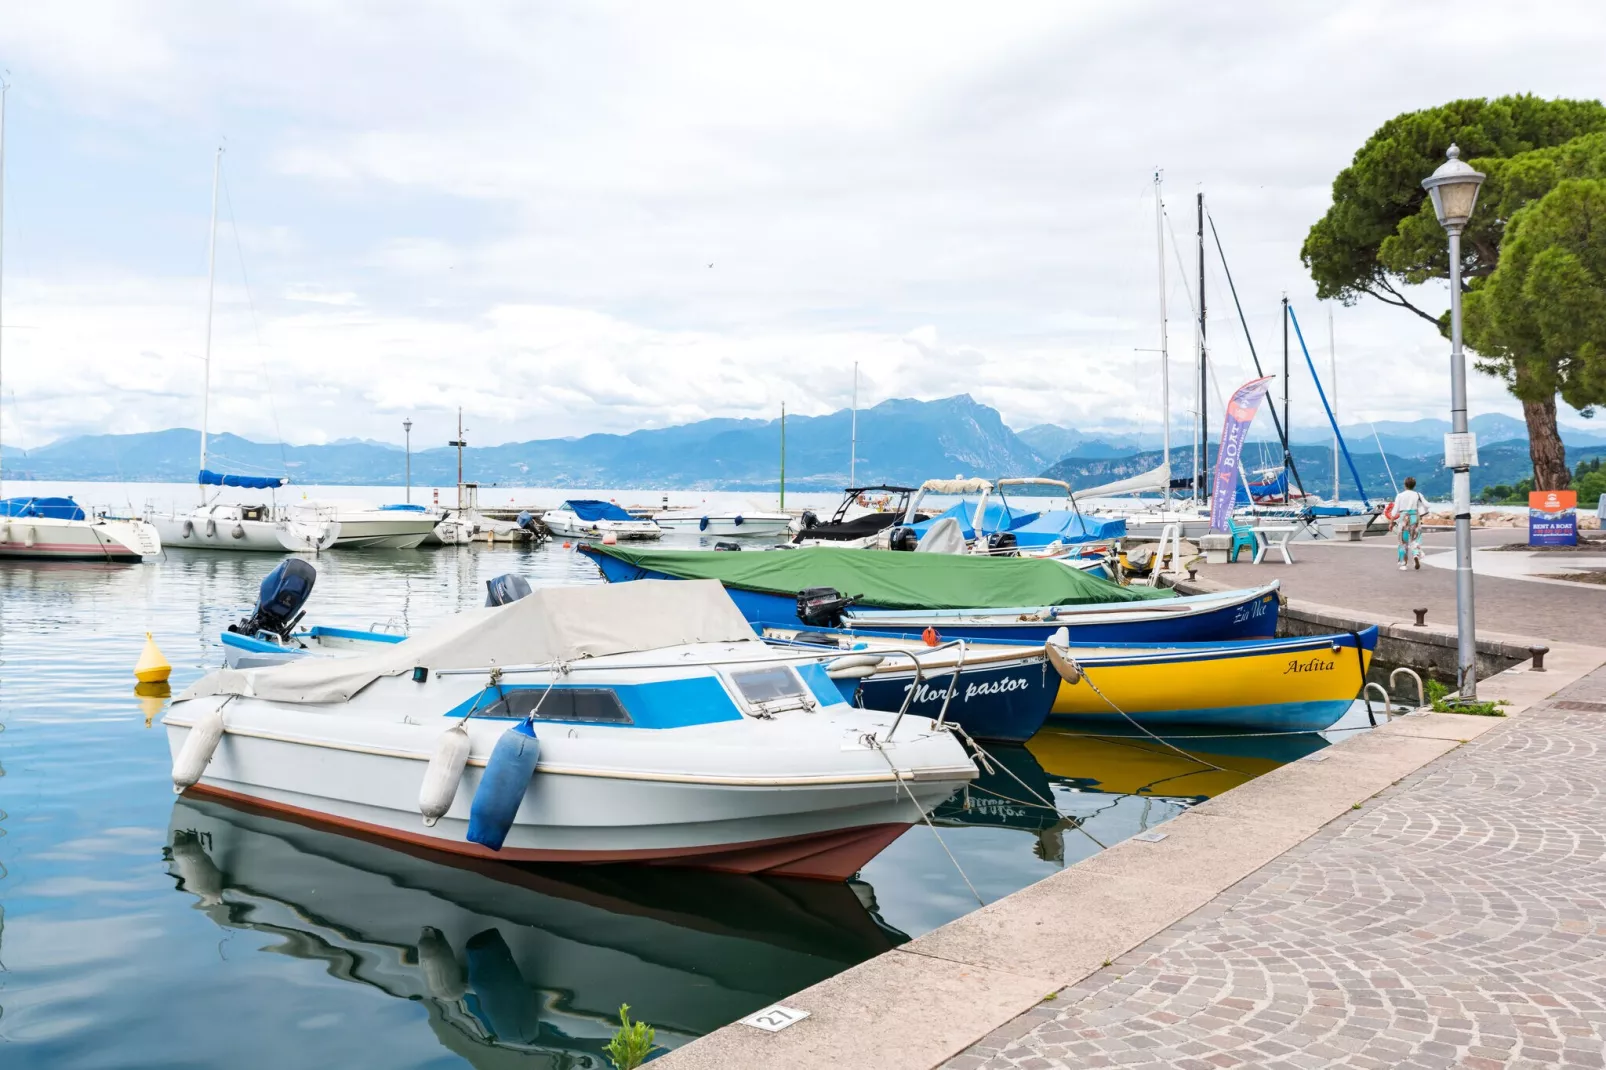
(724, 522)
(588, 518)
(362, 526)
(641, 722)
(58, 529)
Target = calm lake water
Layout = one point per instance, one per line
(137, 929)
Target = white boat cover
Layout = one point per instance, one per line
(956, 486)
(1154, 479)
(549, 624)
(943, 537)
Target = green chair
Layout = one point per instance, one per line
(1243, 538)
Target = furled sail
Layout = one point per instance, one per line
(1156, 479)
(219, 479)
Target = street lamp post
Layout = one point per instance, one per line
(407, 429)
(1454, 189)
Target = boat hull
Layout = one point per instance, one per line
(1283, 685)
(383, 534)
(571, 526)
(999, 703)
(820, 827)
(55, 539)
(726, 526)
(195, 533)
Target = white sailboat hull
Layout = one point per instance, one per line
(726, 524)
(51, 538)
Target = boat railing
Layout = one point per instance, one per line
(1421, 691)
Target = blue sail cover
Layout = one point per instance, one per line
(1068, 527)
(48, 508)
(1274, 489)
(998, 516)
(210, 478)
(591, 509)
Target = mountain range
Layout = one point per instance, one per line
(900, 441)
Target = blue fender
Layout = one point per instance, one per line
(738, 521)
(702, 525)
(502, 788)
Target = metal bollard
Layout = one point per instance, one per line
(1539, 653)
(1421, 617)
(1193, 574)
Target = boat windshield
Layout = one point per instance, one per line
(882, 499)
(774, 687)
(561, 704)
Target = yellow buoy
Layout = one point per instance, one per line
(152, 667)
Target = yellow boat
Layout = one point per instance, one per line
(1138, 765)
(1264, 685)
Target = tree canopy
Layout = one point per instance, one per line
(1380, 236)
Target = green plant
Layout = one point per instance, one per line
(632, 1043)
(1440, 702)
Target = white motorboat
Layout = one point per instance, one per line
(633, 722)
(724, 522)
(588, 518)
(247, 528)
(58, 529)
(363, 526)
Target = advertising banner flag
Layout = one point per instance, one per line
(1553, 518)
(1234, 432)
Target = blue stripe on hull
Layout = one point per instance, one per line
(1275, 717)
(1001, 704)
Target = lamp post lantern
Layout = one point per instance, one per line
(407, 430)
(1454, 190)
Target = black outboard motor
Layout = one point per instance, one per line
(508, 587)
(810, 519)
(529, 523)
(1002, 544)
(903, 537)
(279, 600)
(726, 545)
(821, 607)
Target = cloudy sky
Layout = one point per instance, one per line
(568, 217)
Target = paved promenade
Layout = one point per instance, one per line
(1363, 576)
(1458, 919)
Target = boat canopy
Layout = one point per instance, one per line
(47, 508)
(995, 516)
(1067, 526)
(1156, 479)
(887, 580)
(592, 509)
(551, 624)
(404, 507)
(209, 478)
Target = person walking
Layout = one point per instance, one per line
(1408, 510)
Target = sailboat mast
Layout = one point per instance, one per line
(1204, 400)
(459, 444)
(1288, 432)
(211, 277)
(783, 456)
(1165, 356)
(1332, 364)
(853, 458)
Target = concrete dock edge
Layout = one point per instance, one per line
(986, 974)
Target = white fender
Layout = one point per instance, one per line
(189, 528)
(5, 531)
(854, 661)
(196, 869)
(443, 774)
(197, 750)
(29, 536)
(238, 531)
(443, 974)
(211, 526)
(852, 672)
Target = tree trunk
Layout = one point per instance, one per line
(1545, 449)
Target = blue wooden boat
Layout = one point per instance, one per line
(1002, 693)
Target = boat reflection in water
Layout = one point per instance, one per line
(1086, 778)
(514, 962)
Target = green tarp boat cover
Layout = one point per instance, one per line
(890, 580)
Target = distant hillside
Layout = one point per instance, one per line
(901, 441)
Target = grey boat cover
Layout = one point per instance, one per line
(548, 625)
(943, 537)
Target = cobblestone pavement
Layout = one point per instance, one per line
(1457, 920)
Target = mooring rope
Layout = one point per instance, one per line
(921, 810)
(1089, 681)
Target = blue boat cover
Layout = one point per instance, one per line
(218, 479)
(405, 507)
(1273, 489)
(591, 509)
(1068, 526)
(997, 516)
(49, 508)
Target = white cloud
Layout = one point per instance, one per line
(514, 208)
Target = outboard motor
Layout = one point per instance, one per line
(527, 522)
(279, 600)
(1002, 544)
(903, 537)
(725, 545)
(508, 587)
(810, 519)
(821, 607)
